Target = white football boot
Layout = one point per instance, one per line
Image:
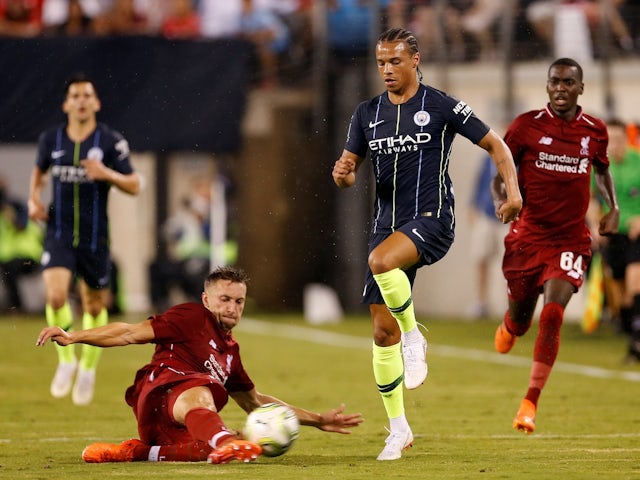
(395, 443)
(414, 355)
(63, 379)
(84, 386)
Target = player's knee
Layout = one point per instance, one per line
(379, 262)
(190, 399)
(56, 298)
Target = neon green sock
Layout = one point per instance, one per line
(90, 354)
(388, 371)
(396, 291)
(63, 318)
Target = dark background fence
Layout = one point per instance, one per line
(161, 94)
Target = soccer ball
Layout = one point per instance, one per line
(274, 427)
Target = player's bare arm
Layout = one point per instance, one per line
(344, 170)
(510, 204)
(96, 170)
(115, 334)
(604, 182)
(37, 210)
(330, 421)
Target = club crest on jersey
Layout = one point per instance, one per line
(421, 118)
(95, 153)
(584, 145)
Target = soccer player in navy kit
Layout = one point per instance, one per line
(84, 159)
(409, 130)
(548, 248)
(195, 368)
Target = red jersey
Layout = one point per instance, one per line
(554, 159)
(188, 339)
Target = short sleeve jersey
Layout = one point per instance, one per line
(554, 158)
(78, 210)
(188, 339)
(410, 146)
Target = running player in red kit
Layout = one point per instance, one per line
(548, 248)
(195, 368)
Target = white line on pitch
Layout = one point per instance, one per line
(352, 341)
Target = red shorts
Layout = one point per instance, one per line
(528, 266)
(153, 395)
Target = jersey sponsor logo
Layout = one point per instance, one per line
(375, 124)
(463, 109)
(399, 143)
(56, 154)
(562, 163)
(95, 153)
(545, 140)
(216, 370)
(421, 118)
(69, 174)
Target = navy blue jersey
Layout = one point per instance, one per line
(410, 147)
(78, 210)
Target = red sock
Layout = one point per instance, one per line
(546, 349)
(207, 426)
(517, 329)
(548, 341)
(186, 452)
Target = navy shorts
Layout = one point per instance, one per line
(93, 266)
(432, 237)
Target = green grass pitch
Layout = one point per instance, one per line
(588, 421)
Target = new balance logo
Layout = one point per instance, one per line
(375, 124)
(545, 140)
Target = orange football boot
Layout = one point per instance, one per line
(241, 450)
(503, 340)
(110, 452)
(525, 420)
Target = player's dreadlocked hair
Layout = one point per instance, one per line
(402, 35)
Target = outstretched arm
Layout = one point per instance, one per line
(330, 421)
(509, 202)
(112, 335)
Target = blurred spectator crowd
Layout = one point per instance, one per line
(282, 30)
(472, 29)
(268, 24)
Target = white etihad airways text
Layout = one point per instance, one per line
(399, 143)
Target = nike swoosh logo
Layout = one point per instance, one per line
(57, 154)
(373, 125)
(415, 232)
